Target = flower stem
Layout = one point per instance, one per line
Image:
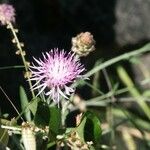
(22, 53)
(11, 67)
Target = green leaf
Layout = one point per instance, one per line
(33, 105)
(55, 121)
(90, 126)
(24, 104)
(96, 126)
(42, 115)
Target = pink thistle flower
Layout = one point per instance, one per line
(7, 13)
(55, 73)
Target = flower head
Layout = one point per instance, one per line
(7, 14)
(55, 73)
(83, 44)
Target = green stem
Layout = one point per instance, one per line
(133, 91)
(10, 26)
(109, 107)
(146, 48)
(11, 67)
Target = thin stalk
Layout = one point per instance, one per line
(27, 106)
(10, 102)
(18, 44)
(109, 113)
(11, 67)
(133, 91)
(10, 128)
(125, 56)
(106, 131)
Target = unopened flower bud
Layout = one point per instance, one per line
(18, 52)
(13, 41)
(21, 44)
(23, 53)
(27, 63)
(83, 44)
(27, 74)
(16, 30)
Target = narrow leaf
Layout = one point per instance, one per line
(24, 104)
(55, 121)
(133, 90)
(42, 115)
(33, 105)
(96, 126)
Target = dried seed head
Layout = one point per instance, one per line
(27, 74)
(83, 44)
(74, 142)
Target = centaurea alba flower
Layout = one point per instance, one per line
(7, 14)
(55, 73)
